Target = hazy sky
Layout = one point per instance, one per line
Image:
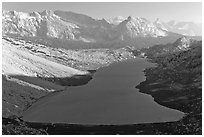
(165, 11)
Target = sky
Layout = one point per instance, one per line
(179, 11)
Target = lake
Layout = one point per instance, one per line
(109, 98)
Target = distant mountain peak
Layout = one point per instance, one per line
(69, 27)
(158, 23)
(119, 17)
(184, 28)
(141, 27)
(129, 18)
(140, 19)
(47, 13)
(116, 20)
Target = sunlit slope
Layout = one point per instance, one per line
(18, 61)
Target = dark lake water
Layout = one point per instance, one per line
(109, 98)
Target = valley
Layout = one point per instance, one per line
(52, 60)
(155, 83)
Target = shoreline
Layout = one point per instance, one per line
(13, 121)
(16, 115)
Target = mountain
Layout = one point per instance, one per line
(62, 24)
(116, 20)
(44, 24)
(158, 23)
(138, 27)
(184, 28)
(181, 44)
(69, 30)
(81, 20)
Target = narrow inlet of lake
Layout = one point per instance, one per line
(109, 98)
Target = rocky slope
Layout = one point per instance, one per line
(181, 44)
(176, 82)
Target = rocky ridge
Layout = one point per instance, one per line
(78, 30)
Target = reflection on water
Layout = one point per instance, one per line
(109, 98)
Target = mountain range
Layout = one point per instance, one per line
(67, 29)
(184, 28)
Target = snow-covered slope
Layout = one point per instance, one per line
(72, 30)
(73, 26)
(140, 27)
(45, 24)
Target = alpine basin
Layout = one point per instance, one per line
(109, 98)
